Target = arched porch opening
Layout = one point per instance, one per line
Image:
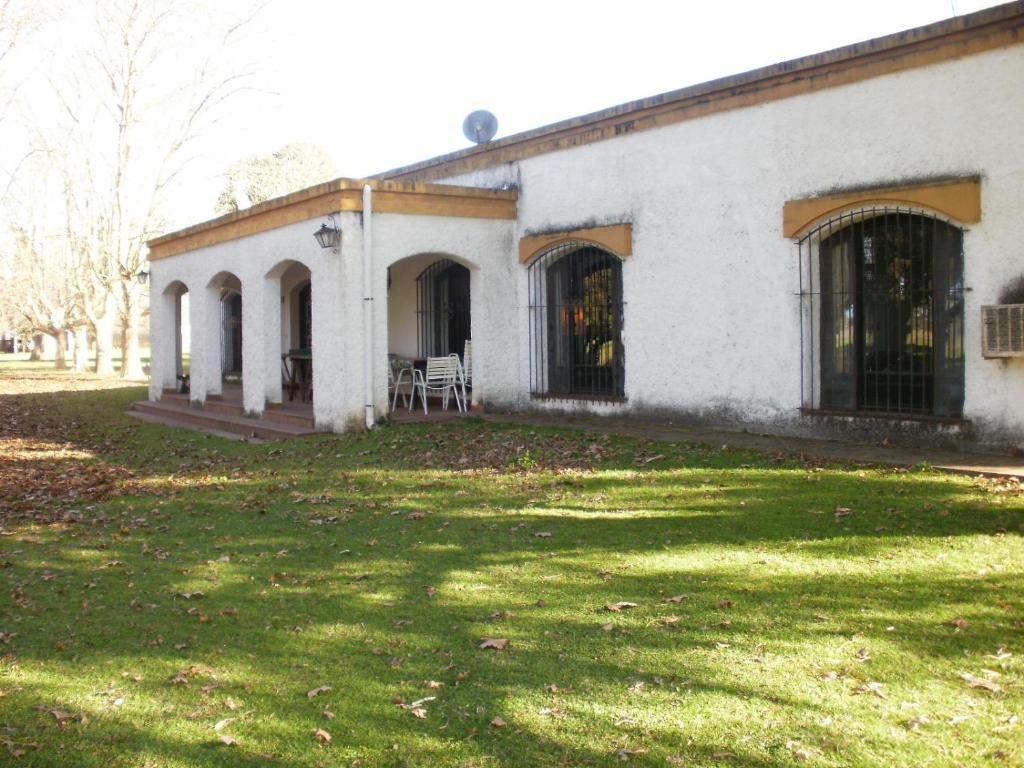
(429, 312)
(176, 344)
(228, 291)
(289, 318)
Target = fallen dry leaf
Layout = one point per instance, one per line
(220, 725)
(677, 598)
(620, 606)
(980, 682)
(496, 643)
(959, 623)
(543, 534)
(228, 741)
(625, 754)
(498, 723)
(876, 688)
(322, 736)
(799, 752)
(317, 691)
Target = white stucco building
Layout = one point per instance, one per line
(801, 249)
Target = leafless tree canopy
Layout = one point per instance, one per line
(109, 123)
(259, 178)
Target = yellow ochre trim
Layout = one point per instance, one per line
(340, 195)
(617, 238)
(959, 200)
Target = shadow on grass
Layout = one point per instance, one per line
(352, 564)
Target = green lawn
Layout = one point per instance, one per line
(165, 592)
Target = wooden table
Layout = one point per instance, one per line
(298, 370)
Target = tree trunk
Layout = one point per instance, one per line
(81, 349)
(60, 359)
(103, 329)
(37, 347)
(131, 362)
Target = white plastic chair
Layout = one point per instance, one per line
(441, 375)
(400, 384)
(466, 371)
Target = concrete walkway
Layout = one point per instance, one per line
(902, 456)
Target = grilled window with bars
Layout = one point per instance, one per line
(882, 314)
(442, 309)
(575, 315)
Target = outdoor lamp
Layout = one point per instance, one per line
(328, 236)
(142, 276)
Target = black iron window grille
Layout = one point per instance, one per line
(231, 334)
(882, 314)
(576, 316)
(443, 309)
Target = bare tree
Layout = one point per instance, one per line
(126, 109)
(40, 292)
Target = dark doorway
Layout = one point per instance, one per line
(443, 309)
(892, 316)
(306, 317)
(231, 309)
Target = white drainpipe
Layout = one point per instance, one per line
(368, 304)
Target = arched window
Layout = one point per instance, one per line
(885, 287)
(443, 309)
(576, 323)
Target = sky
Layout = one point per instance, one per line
(384, 83)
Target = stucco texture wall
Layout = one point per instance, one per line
(711, 309)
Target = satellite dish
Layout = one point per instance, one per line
(480, 126)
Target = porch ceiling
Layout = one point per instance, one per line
(341, 195)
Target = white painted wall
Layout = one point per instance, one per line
(711, 319)
(269, 267)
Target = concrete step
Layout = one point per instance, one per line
(279, 415)
(223, 407)
(176, 414)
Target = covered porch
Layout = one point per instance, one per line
(312, 330)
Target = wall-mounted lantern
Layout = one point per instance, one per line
(328, 236)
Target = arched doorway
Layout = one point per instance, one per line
(576, 318)
(289, 321)
(227, 336)
(891, 312)
(443, 319)
(231, 335)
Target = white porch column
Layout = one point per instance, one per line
(256, 368)
(269, 350)
(336, 368)
(163, 329)
(206, 322)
